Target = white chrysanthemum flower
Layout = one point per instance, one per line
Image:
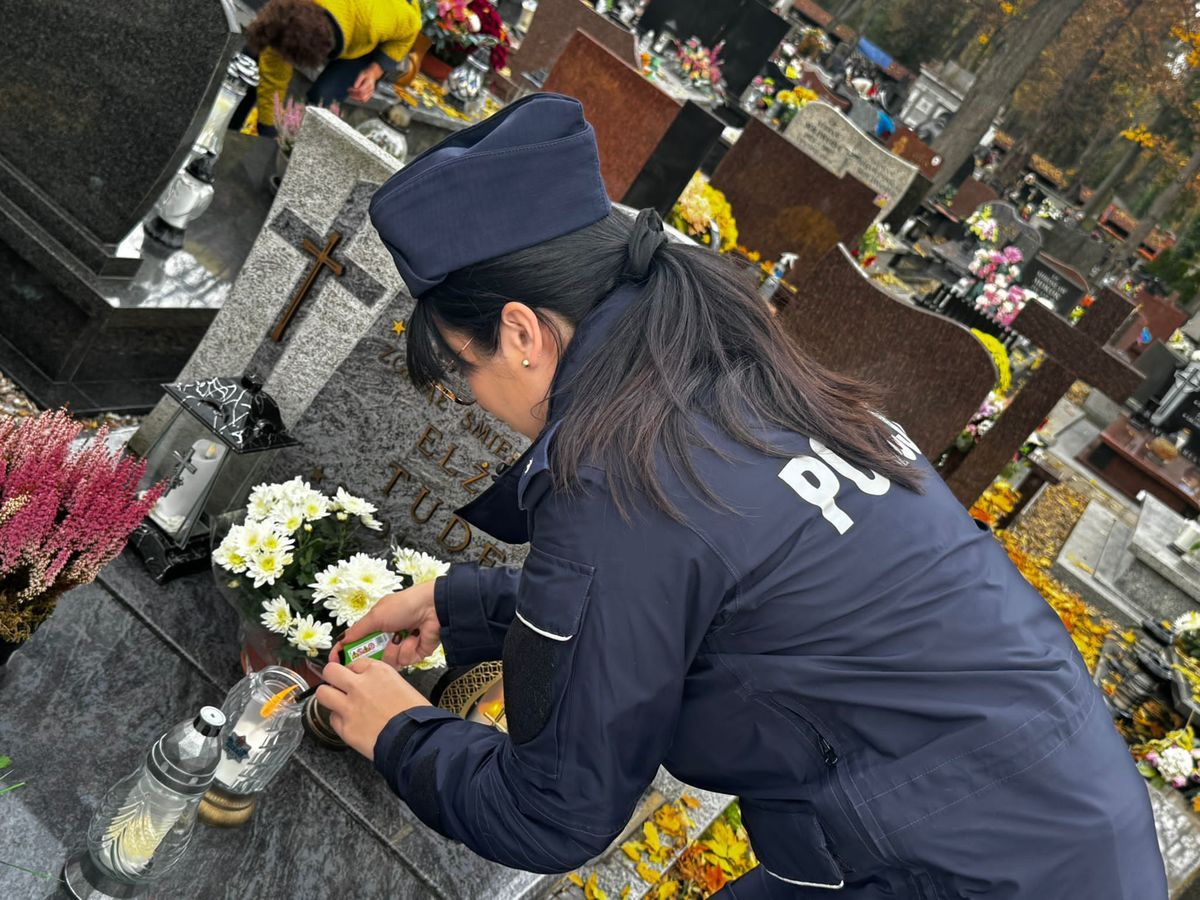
(314, 506)
(348, 503)
(309, 635)
(276, 541)
(420, 567)
(263, 500)
(372, 574)
(329, 581)
(288, 518)
(295, 490)
(229, 555)
(277, 616)
(1175, 762)
(1189, 621)
(350, 604)
(266, 567)
(369, 521)
(435, 660)
(342, 516)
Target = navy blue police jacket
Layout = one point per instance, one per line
(901, 714)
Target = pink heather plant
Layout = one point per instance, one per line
(63, 515)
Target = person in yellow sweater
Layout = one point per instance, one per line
(357, 42)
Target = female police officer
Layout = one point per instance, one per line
(737, 570)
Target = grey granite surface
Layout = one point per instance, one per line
(1178, 838)
(83, 701)
(414, 454)
(100, 104)
(1159, 525)
(329, 160)
(1087, 553)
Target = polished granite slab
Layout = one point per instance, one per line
(194, 623)
(79, 706)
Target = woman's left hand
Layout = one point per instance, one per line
(363, 698)
(364, 85)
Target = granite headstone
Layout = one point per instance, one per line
(329, 181)
(1055, 281)
(836, 143)
(99, 107)
(846, 322)
(786, 202)
(630, 114)
(414, 454)
(554, 25)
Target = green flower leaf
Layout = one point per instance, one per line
(5, 762)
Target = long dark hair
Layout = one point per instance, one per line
(697, 340)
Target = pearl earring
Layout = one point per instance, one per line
(525, 363)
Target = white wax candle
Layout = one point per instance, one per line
(171, 512)
(255, 733)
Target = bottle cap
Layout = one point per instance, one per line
(210, 721)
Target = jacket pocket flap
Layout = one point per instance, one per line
(790, 844)
(553, 595)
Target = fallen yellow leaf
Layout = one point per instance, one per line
(647, 874)
(633, 850)
(625, 892)
(690, 802)
(575, 879)
(651, 833)
(667, 889)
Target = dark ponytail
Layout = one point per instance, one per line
(698, 340)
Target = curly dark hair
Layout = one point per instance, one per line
(298, 30)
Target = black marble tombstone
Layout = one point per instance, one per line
(677, 156)
(86, 147)
(750, 29)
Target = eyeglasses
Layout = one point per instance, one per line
(454, 385)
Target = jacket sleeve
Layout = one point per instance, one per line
(608, 616)
(274, 77)
(390, 53)
(475, 605)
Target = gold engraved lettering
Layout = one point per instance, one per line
(454, 522)
(484, 471)
(445, 459)
(413, 511)
(425, 436)
(491, 554)
(400, 472)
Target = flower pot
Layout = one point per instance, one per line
(437, 69)
(262, 648)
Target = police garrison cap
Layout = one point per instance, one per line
(526, 175)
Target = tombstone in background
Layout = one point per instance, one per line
(787, 202)
(100, 107)
(905, 143)
(1072, 353)
(971, 195)
(932, 372)
(1056, 281)
(1157, 315)
(314, 282)
(1066, 241)
(1012, 229)
(750, 29)
(836, 143)
(554, 25)
(650, 143)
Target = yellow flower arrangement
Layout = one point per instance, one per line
(999, 357)
(700, 205)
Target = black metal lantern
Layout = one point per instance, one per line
(220, 438)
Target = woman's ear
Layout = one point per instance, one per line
(521, 336)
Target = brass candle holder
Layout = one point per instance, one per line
(221, 809)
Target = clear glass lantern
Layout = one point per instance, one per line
(217, 443)
(262, 731)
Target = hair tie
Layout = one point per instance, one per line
(645, 239)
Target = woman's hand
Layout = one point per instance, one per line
(364, 85)
(410, 611)
(363, 698)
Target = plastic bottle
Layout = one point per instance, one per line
(143, 825)
(771, 284)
